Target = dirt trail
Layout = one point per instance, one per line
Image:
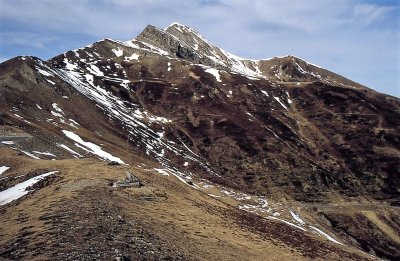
(394, 235)
(343, 205)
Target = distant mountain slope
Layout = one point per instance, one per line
(275, 137)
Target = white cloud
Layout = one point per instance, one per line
(334, 33)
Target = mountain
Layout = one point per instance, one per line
(239, 159)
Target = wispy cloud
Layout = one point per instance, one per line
(122, 16)
(343, 35)
(369, 13)
(27, 39)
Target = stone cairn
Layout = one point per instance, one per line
(130, 181)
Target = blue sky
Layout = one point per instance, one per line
(359, 39)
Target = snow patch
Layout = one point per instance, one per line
(161, 171)
(74, 153)
(158, 119)
(3, 169)
(51, 82)
(176, 25)
(55, 107)
(319, 231)
(278, 100)
(118, 52)
(288, 98)
(20, 190)
(154, 49)
(30, 154)
(43, 72)
(95, 70)
(297, 217)
(214, 72)
(134, 56)
(18, 116)
(265, 93)
(91, 147)
(44, 153)
(56, 114)
(73, 123)
(286, 222)
(69, 66)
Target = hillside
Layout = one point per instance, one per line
(239, 159)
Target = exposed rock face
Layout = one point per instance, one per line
(172, 44)
(281, 128)
(184, 42)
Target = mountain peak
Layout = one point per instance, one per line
(182, 28)
(175, 24)
(184, 42)
(188, 35)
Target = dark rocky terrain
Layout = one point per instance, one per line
(279, 142)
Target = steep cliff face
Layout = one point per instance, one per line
(270, 136)
(184, 42)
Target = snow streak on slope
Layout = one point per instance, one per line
(319, 231)
(262, 206)
(20, 189)
(3, 169)
(215, 73)
(74, 153)
(297, 217)
(91, 147)
(137, 121)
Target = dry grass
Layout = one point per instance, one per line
(188, 223)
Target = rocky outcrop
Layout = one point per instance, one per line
(172, 44)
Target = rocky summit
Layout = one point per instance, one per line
(228, 158)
